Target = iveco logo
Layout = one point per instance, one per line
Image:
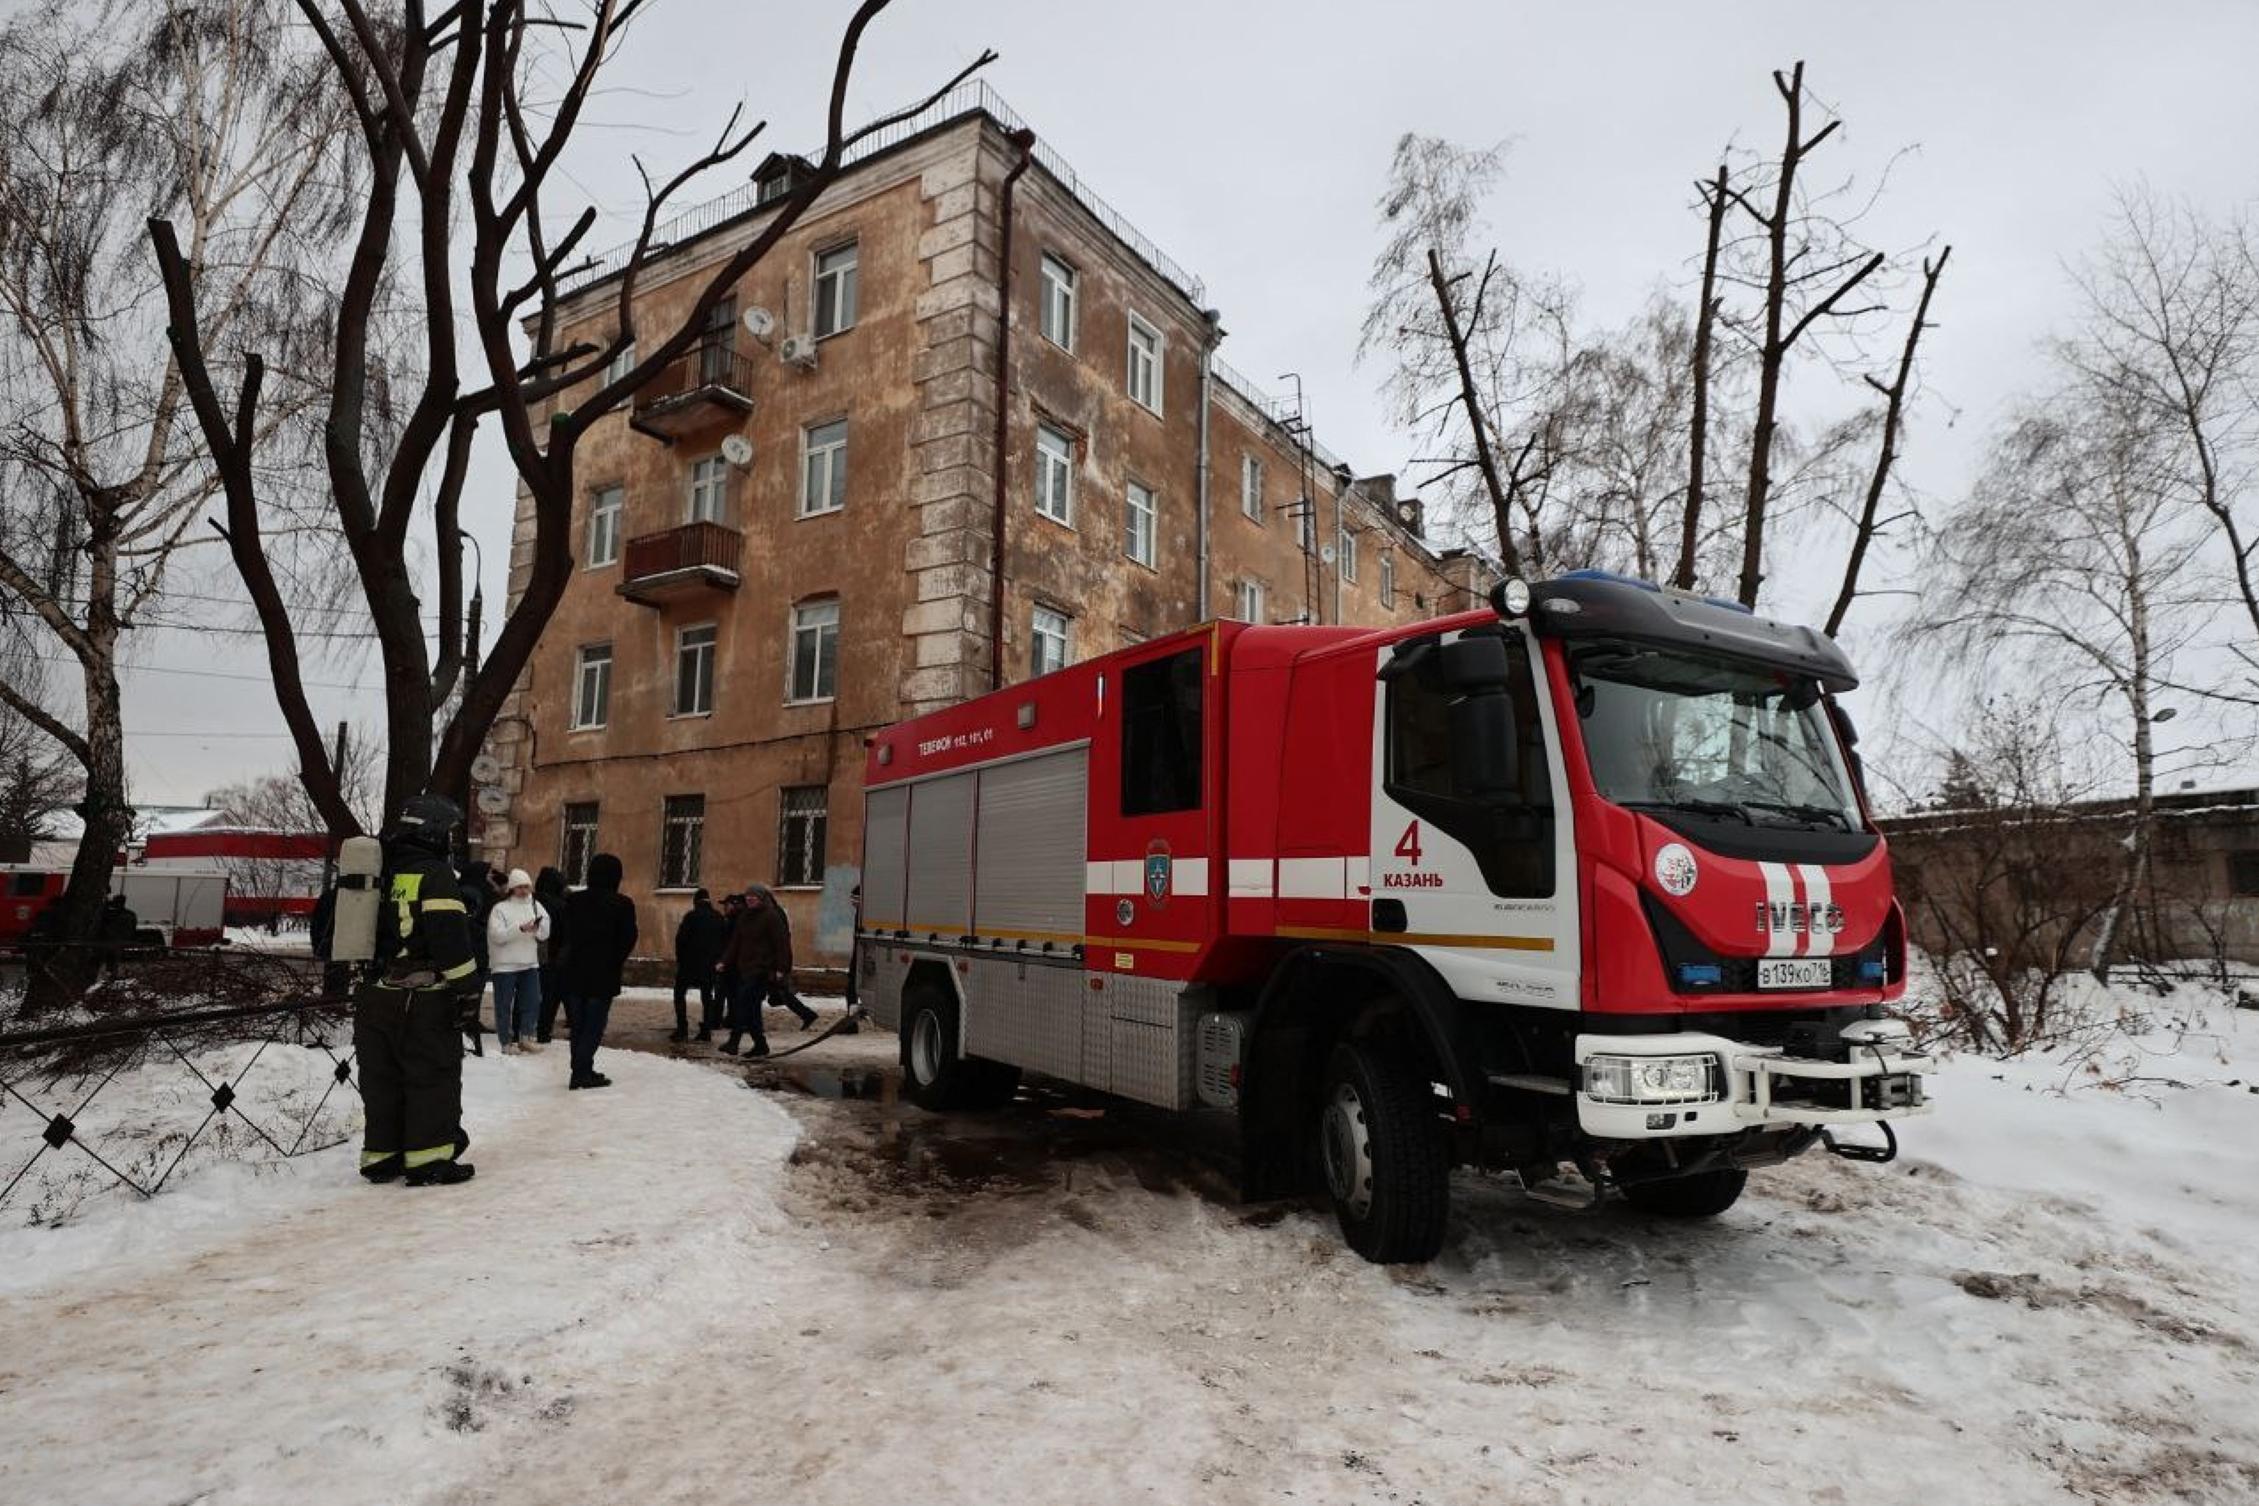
(1796, 918)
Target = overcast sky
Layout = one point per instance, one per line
(1249, 140)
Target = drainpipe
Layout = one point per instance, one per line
(1341, 480)
(1207, 378)
(1023, 142)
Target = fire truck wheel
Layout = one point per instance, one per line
(1706, 1194)
(937, 1076)
(1385, 1161)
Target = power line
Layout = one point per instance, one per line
(207, 674)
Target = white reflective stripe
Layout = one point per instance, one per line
(1312, 878)
(1129, 876)
(1816, 896)
(1098, 878)
(1780, 893)
(1250, 878)
(1189, 876)
(1359, 877)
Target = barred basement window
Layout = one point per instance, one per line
(801, 822)
(682, 840)
(576, 843)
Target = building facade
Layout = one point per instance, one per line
(961, 426)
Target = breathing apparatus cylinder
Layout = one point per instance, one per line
(360, 870)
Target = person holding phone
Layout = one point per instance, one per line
(515, 929)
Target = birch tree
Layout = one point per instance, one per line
(2073, 566)
(211, 116)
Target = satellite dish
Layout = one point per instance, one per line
(759, 322)
(737, 449)
(492, 800)
(1325, 553)
(486, 768)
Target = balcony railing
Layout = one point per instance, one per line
(681, 562)
(707, 386)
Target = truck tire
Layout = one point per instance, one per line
(1386, 1165)
(1706, 1194)
(933, 1072)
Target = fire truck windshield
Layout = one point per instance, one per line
(1710, 739)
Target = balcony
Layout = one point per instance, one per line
(681, 562)
(707, 387)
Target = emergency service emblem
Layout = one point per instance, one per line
(1158, 868)
(1675, 869)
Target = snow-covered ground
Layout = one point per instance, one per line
(682, 1290)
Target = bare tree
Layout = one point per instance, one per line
(1476, 348)
(38, 777)
(277, 804)
(2171, 333)
(1714, 199)
(211, 116)
(1805, 267)
(460, 119)
(1870, 523)
(2073, 561)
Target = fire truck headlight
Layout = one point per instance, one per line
(1652, 1079)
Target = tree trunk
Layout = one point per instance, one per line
(1698, 438)
(2136, 865)
(1772, 354)
(1471, 398)
(64, 974)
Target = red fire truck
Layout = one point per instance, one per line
(1581, 888)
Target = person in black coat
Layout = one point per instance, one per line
(549, 893)
(600, 927)
(698, 947)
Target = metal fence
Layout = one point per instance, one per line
(45, 1075)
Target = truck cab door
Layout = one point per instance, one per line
(1152, 813)
(1473, 859)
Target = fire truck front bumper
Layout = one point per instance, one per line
(1650, 1087)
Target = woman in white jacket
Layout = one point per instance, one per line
(515, 929)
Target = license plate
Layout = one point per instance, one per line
(1794, 972)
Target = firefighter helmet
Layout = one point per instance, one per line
(431, 813)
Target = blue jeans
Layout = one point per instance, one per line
(517, 1004)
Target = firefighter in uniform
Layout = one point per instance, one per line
(407, 1020)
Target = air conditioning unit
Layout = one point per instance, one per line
(798, 350)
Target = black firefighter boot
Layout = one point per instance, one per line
(440, 1173)
(383, 1170)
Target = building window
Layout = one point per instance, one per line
(717, 345)
(835, 290)
(592, 687)
(1348, 548)
(815, 650)
(621, 364)
(1388, 580)
(682, 840)
(1144, 363)
(1055, 474)
(709, 490)
(2243, 873)
(1251, 601)
(1251, 487)
(1058, 311)
(823, 474)
(604, 526)
(1050, 641)
(694, 670)
(801, 823)
(576, 841)
(1142, 525)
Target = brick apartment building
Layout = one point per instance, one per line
(815, 524)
